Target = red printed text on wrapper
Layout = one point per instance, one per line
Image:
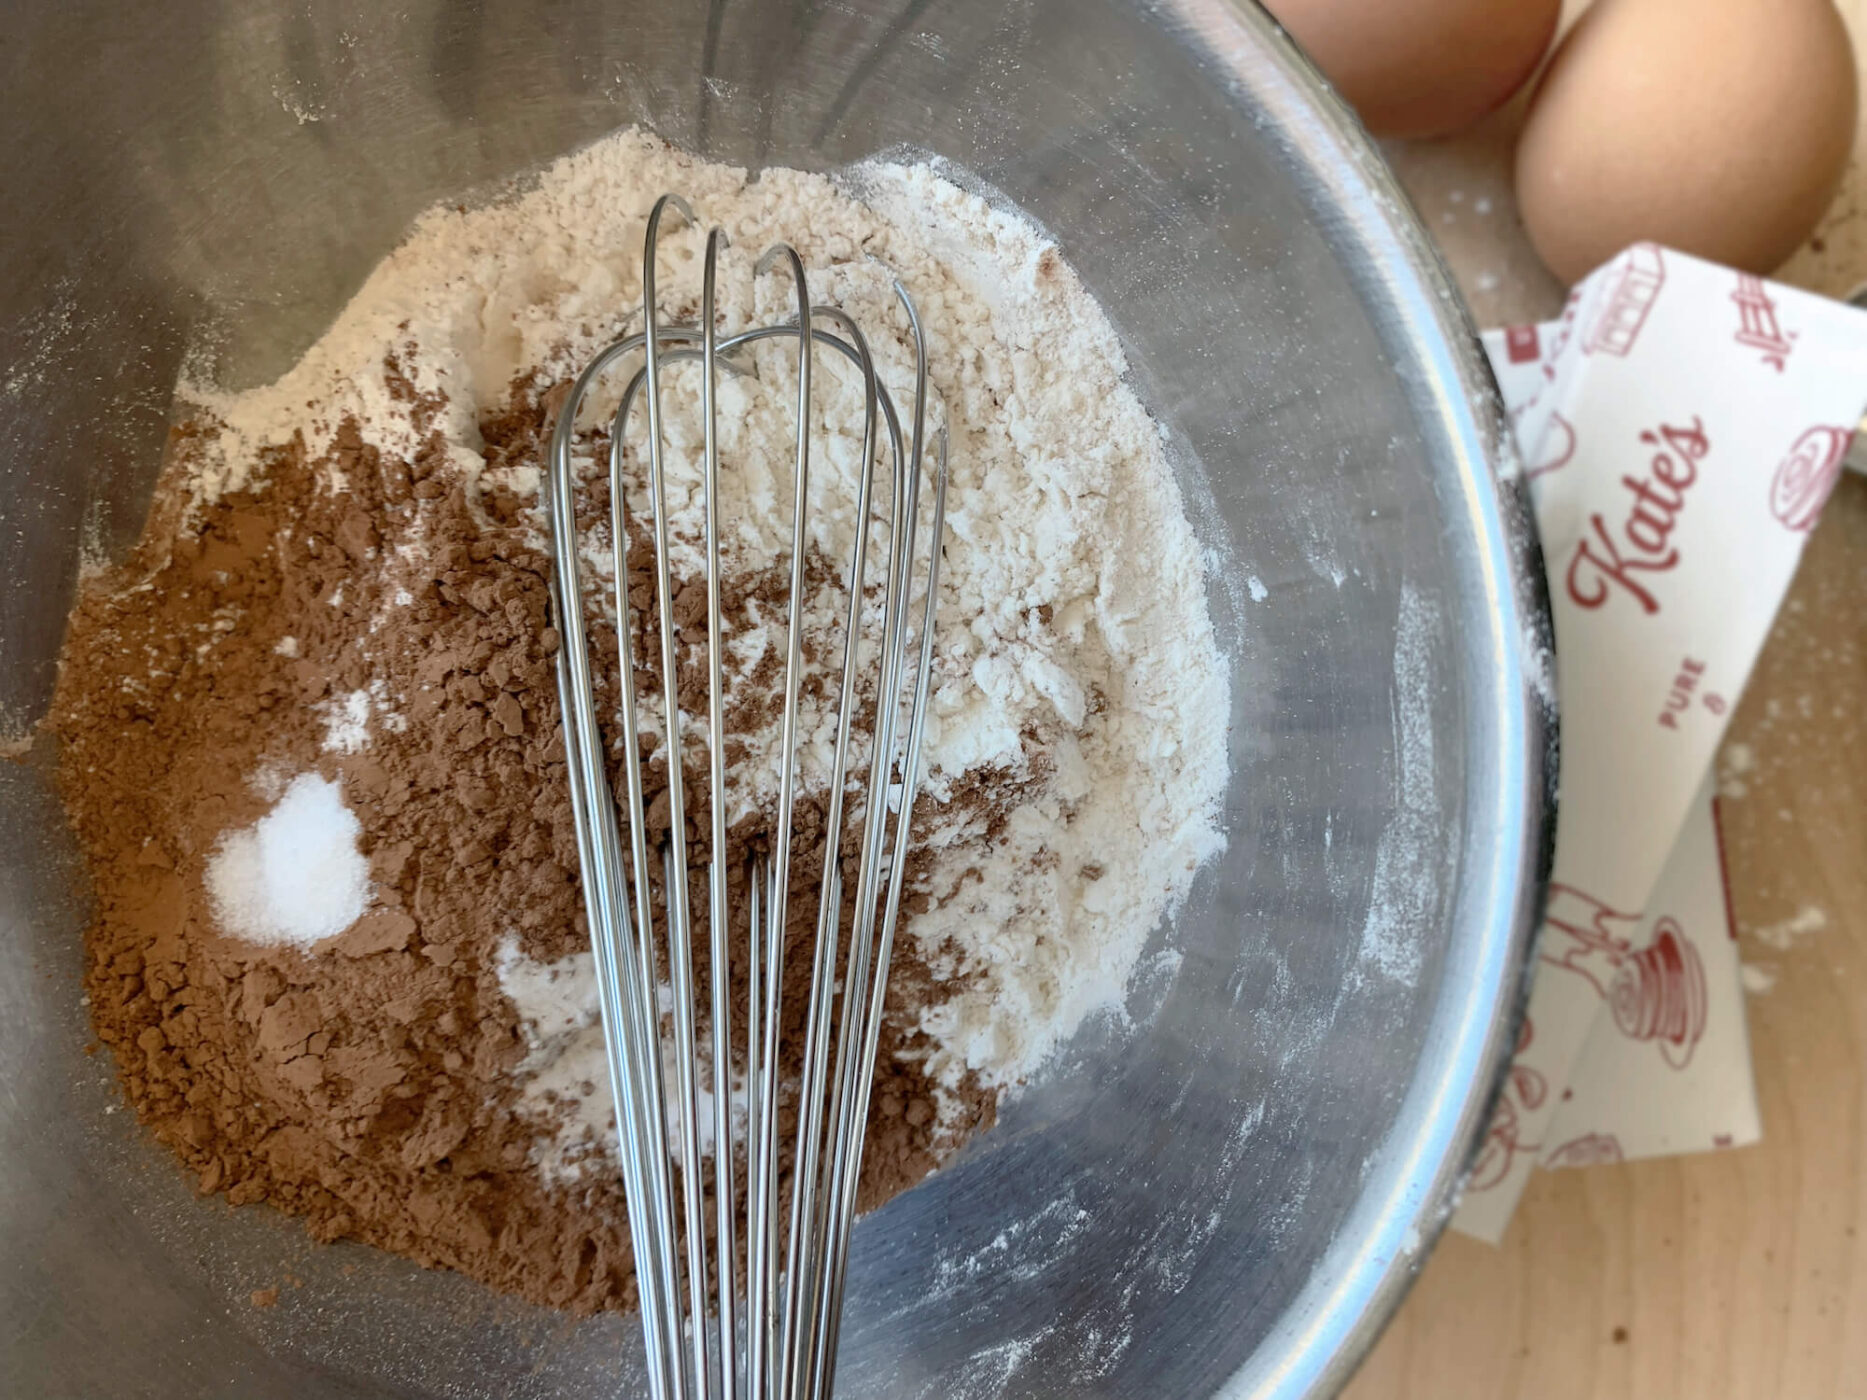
(1688, 681)
(1621, 558)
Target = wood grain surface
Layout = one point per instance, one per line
(1740, 1274)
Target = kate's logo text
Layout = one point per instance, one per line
(1622, 557)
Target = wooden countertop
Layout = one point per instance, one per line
(1740, 1274)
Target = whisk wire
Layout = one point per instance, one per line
(804, 1278)
(795, 1276)
(630, 1056)
(859, 1080)
(725, 1199)
(784, 255)
(644, 1005)
(674, 853)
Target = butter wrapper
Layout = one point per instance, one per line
(1682, 425)
(1666, 1066)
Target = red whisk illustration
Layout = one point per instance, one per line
(1657, 993)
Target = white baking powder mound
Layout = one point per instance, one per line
(295, 875)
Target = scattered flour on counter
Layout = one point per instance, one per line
(1759, 979)
(1737, 762)
(1786, 933)
(295, 875)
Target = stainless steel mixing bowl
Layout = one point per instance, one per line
(1227, 1190)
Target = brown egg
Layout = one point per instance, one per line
(1422, 67)
(1718, 127)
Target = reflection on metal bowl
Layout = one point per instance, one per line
(1227, 1189)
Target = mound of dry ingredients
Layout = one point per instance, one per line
(310, 737)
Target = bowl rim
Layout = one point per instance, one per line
(1417, 1175)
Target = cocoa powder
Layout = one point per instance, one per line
(368, 1084)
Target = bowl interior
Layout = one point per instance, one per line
(1225, 1188)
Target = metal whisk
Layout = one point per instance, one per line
(779, 1338)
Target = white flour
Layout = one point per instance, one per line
(1074, 648)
